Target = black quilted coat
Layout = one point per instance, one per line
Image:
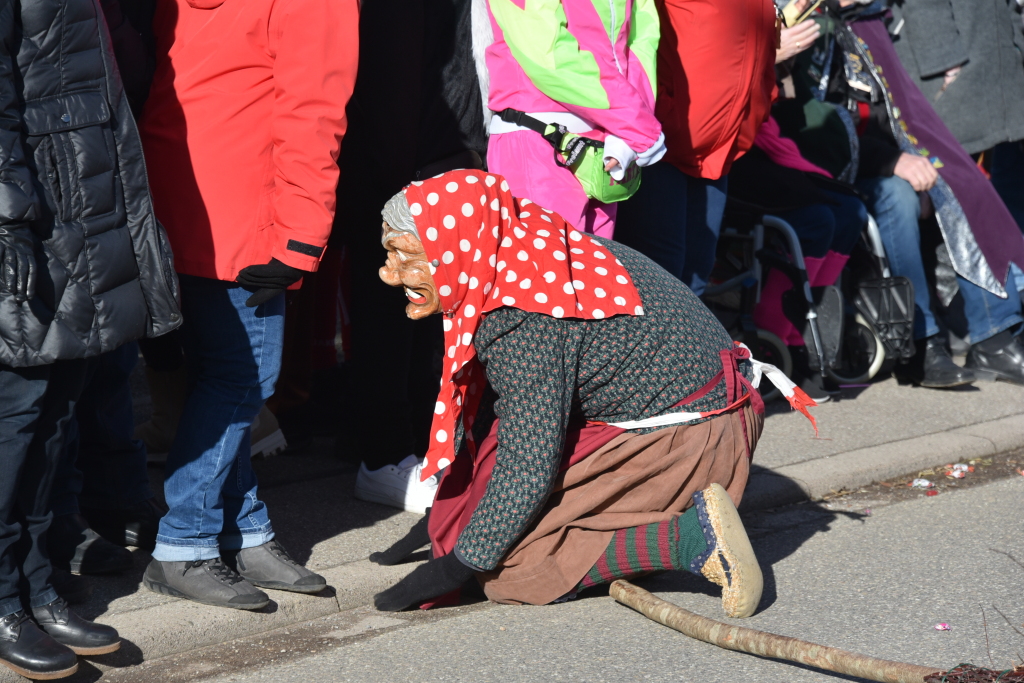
(71, 167)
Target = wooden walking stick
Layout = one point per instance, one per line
(766, 644)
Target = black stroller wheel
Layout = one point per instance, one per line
(862, 355)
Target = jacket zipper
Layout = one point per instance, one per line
(613, 34)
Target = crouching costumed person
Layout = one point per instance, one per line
(602, 418)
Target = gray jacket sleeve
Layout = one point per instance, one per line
(933, 35)
(18, 202)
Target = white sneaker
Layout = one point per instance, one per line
(397, 485)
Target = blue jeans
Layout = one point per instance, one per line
(674, 219)
(234, 355)
(36, 405)
(825, 227)
(896, 208)
(103, 466)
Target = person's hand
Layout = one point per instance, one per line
(267, 280)
(950, 76)
(617, 156)
(417, 537)
(796, 39)
(430, 580)
(917, 171)
(17, 262)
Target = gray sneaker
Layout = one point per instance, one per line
(210, 582)
(269, 566)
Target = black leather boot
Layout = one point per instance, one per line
(939, 370)
(27, 650)
(998, 358)
(67, 628)
(135, 526)
(809, 380)
(76, 548)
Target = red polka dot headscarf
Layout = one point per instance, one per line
(487, 250)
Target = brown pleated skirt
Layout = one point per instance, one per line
(631, 481)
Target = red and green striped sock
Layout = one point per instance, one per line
(678, 543)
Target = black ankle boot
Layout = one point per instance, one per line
(27, 650)
(998, 358)
(809, 381)
(67, 628)
(135, 526)
(76, 548)
(934, 368)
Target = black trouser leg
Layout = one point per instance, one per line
(66, 382)
(22, 391)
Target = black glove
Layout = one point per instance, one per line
(17, 262)
(417, 537)
(266, 281)
(433, 579)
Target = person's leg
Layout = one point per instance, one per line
(654, 220)
(815, 226)
(22, 391)
(525, 160)
(987, 314)
(168, 386)
(99, 464)
(708, 539)
(1008, 177)
(234, 353)
(115, 496)
(851, 216)
(113, 463)
(996, 352)
(600, 219)
(896, 208)
(705, 206)
(66, 383)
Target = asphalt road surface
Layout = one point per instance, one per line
(874, 583)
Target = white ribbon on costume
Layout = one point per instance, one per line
(776, 376)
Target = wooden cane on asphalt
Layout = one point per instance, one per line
(765, 644)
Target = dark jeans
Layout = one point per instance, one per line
(103, 466)
(36, 405)
(825, 227)
(674, 219)
(1008, 177)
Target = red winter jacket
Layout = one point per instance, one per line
(243, 125)
(716, 80)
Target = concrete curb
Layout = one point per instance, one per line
(813, 479)
(179, 626)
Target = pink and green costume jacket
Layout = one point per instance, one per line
(594, 59)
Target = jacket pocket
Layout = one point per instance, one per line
(64, 122)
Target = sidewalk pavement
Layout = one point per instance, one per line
(884, 431)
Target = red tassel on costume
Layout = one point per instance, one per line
(801, 401)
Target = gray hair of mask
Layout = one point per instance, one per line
(396, 213)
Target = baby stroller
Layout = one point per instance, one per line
(848, 342)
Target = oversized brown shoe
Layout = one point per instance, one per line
(732, 563)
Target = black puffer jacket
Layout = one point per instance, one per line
(71, 168)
